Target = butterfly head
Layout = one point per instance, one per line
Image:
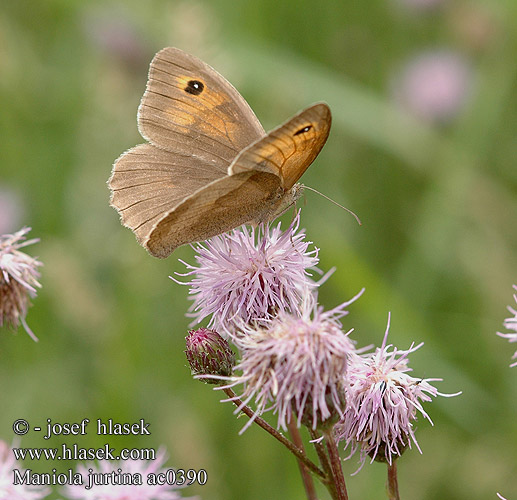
(286, 201)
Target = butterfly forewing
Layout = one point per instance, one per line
(190, 109)
(289, 149)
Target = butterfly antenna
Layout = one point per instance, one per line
(335, 203)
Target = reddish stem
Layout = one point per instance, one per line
(308, 483)
(300, 455)
(324, 461)
(335, 464)
(392, 483)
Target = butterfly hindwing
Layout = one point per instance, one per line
(216, 208)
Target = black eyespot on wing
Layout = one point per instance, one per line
(303, 130)
(194, 87)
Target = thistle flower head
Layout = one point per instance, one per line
(120, 491)
(382, 404)
(296, 365)
(209, 354)
(511, 324)
(18, 279)
(249, 275)
(20, 491)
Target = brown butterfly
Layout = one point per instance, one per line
(209, 166)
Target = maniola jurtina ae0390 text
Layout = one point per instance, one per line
(208, 165)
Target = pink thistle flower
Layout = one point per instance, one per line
(382, 404)
(119, 491)
(18, 279)
(8, 490)
(296, 364)
(250, 275)
(511, 324)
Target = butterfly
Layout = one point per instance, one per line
(208, 166)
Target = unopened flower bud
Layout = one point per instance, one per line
(209, 354)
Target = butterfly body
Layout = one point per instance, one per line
(209, 166)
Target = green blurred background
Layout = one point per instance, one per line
(423, 149)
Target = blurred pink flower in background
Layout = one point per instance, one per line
(124, 491)
(9, 491)
(113, 33)
(434, 86)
